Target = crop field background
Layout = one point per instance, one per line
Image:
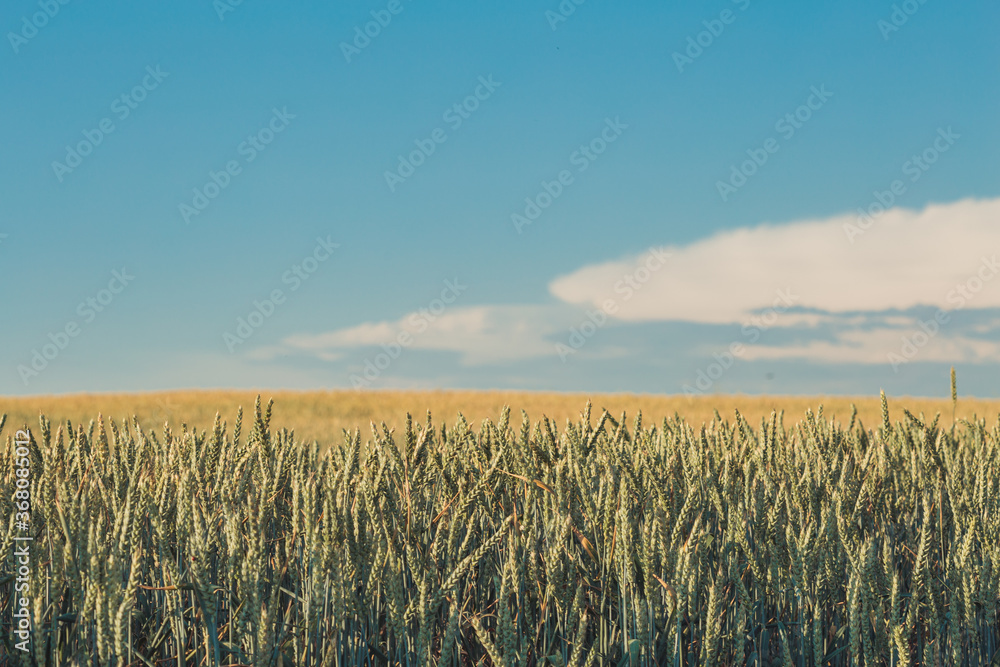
(321, 415)
(607, 541)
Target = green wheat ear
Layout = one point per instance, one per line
(885, 412)
(954, 395)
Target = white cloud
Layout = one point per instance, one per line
(850, 294)
(481, 334)
(987, 327)
(906, 258)
(873, 346)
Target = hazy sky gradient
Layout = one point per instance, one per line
(879, 98)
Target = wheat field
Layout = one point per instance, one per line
(323, 415)
(606, 541)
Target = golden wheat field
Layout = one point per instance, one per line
(868, 539)
(321, 415)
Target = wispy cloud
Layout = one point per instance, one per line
(480, 334)
(874, 346)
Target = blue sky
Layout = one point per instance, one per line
(544, 196)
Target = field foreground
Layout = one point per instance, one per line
(516, 543)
